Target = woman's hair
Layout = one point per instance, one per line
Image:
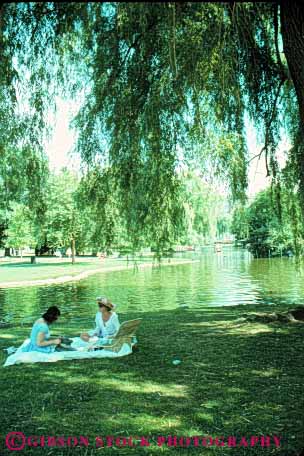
(51, 314)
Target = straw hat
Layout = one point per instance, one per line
(106, 302)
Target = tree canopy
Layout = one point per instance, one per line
(163, 86)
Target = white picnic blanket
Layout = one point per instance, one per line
(38, 357)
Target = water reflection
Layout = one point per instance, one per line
(228, 278)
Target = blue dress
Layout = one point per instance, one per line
(32, 345)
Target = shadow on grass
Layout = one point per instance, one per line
(234, 379)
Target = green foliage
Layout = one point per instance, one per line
(23, 176)
(163, 85)
(260, 219)
(239, 223)
(20, 233)
(97, 199)
(205, 211)
(269, 232)
(142, 116)
(115, 224)
(62, 220)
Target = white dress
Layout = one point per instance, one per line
(105, 329)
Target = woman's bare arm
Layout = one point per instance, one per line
(42, 342)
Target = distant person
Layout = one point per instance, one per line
(106, 321)
(40, 339)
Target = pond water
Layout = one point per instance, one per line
(230, 277)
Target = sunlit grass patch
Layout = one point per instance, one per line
(250, 329)
(266, 372)
(146, 387)
(7, 336)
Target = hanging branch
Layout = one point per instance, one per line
(173, 34)
(283, 72)
(116, 73)
(269, 124)
(257, 155)
(265, 147)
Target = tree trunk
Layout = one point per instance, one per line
(292, 28)
(1, 15)
(73, 250)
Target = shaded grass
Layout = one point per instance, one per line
(235, 379)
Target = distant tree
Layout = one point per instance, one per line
(20, 231)
(99, 204)
(3, 227)
(23, 179)
(205, 209)
(239, 223)
(270, 233)
(61, 224)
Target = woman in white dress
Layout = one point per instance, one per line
(106, 321)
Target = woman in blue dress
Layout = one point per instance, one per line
(40, 339)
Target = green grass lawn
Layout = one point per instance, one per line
(234, 379)
(47, 268)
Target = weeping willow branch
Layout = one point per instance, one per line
(283, 71)
(267, 130)
(155, 82)
(257, 155)
(173, 48)
(115, 74)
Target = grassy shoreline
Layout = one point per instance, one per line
(235, 379)
(52, 271)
